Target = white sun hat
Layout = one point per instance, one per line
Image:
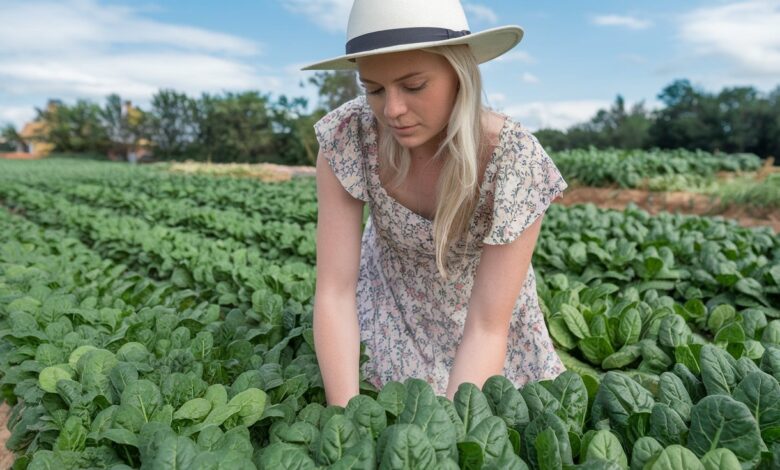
(384, 26)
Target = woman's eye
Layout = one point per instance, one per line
(374, 92)
(415, 88)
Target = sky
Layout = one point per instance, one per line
(575, 58)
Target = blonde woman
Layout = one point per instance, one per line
(439, 285)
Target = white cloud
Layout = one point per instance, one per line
(480, 13)
(16, 115)
(495, 98)
(516, 56)
(554, 114)
(331, 15)
(745, 33)
(86, 49)
(86, 26)
(529, 78)
(619, 20)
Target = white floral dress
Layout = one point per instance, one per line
(411, 320)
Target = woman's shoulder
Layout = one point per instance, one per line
(352, 119)
(356, 108)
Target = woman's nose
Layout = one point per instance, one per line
(395, 105)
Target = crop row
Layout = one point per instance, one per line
(632, 168)
(278, 240)
(108, 370)
(293, 201)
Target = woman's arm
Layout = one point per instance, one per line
(500, 276)
(336, 330)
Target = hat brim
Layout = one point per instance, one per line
(486, 45)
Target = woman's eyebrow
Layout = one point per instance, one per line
(408, 75)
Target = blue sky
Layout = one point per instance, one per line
(576, 56)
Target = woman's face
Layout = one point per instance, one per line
(412, 93)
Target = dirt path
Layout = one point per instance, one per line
(6, 457)
(672, 201)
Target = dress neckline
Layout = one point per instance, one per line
(375, 167)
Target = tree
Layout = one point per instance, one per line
(336, 87)
(690, 119)
(173, 125)
(76, 128)
(10, 140)
(296, 143)
(235, 128)
(123, 124)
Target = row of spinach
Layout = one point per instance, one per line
(632, 168)
(108, 370)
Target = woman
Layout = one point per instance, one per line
(439, 285)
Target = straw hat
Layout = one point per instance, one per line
(383, 26)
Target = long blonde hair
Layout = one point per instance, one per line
(457, 191)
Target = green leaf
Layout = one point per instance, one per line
(760, 392)
(720, 316)
(174, 453)
(194, 410)
(391, 397)
(505, 401)
(120, 436)
(360, 456)
(721, 421)
(731, 332)
(629, 328)
(672, 392)
(422, 408)
(250, 404)
(666, 426)
(404, 446)
(49, 376)
(673, 331)
(596, 348)
(336, 437)
(573, 398)
(299, 432)
(560, 332)
(285, 456)
(143, 396)
(539, 399)
(544, 421)
(717, 370)
(470, 455)
(618, 398)
(645, 449)
(605, 446)
(575, 321)
(471, 405)
(548, 454)
(367, 414)
(720, 459)
(625, 356)
(673, 458)
(73, 435)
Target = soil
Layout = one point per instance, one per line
(674, 202)
(6, 456)
(19, 156)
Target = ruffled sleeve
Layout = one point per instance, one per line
(342, 135)
(526, 182)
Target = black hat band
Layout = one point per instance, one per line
(395, 37)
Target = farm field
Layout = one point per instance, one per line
(163, 320)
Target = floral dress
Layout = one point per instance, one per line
(411, 320)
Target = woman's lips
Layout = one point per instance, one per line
(404, 130)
